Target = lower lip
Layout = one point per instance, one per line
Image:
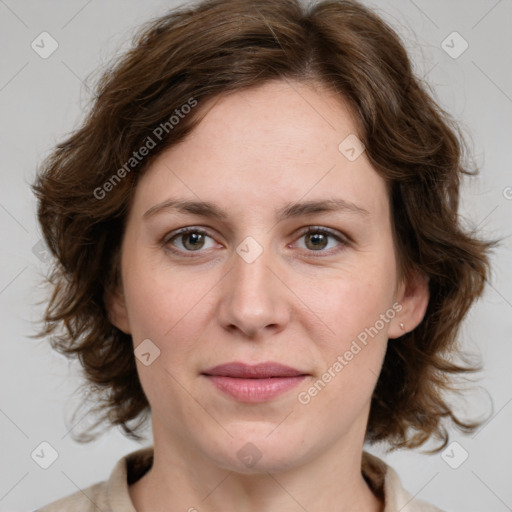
(254, 390)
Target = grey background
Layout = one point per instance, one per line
(41, 100)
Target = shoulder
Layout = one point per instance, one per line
(385, 482)
(92, 499)
(110, 495)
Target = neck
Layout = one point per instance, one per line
(181, 479)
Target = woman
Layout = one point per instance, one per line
(257, 243)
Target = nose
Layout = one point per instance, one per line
(254, 297)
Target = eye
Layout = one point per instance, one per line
(192, 239)
(317, 239)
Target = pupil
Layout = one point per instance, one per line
(195, 237)
(317, 236)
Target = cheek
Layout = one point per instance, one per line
(355, 309)
(348, 301)
(163, 308)
(161, 298)
(351, 351)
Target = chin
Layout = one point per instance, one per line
(260, 454)
(274, 464)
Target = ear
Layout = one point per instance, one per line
(413, 295)
(116, 308)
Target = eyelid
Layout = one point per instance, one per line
(342, 237)
(184, 231)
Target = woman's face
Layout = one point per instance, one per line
(250, 286)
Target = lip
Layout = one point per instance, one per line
(254, 383)
(253, 371)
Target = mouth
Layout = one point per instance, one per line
(258, 371)
(254, 383)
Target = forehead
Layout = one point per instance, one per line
(270, 144)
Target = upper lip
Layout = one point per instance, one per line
(249, 371)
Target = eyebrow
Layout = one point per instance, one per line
(290, 210)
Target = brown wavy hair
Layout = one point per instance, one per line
(201, 51)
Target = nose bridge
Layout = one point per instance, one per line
(253, 299)
(251, 272)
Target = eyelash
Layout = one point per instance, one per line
(344, 241)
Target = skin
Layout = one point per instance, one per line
(253, 152)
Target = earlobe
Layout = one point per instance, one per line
(117, 312)
(413, 296)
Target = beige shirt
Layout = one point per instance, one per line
(112, 495)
